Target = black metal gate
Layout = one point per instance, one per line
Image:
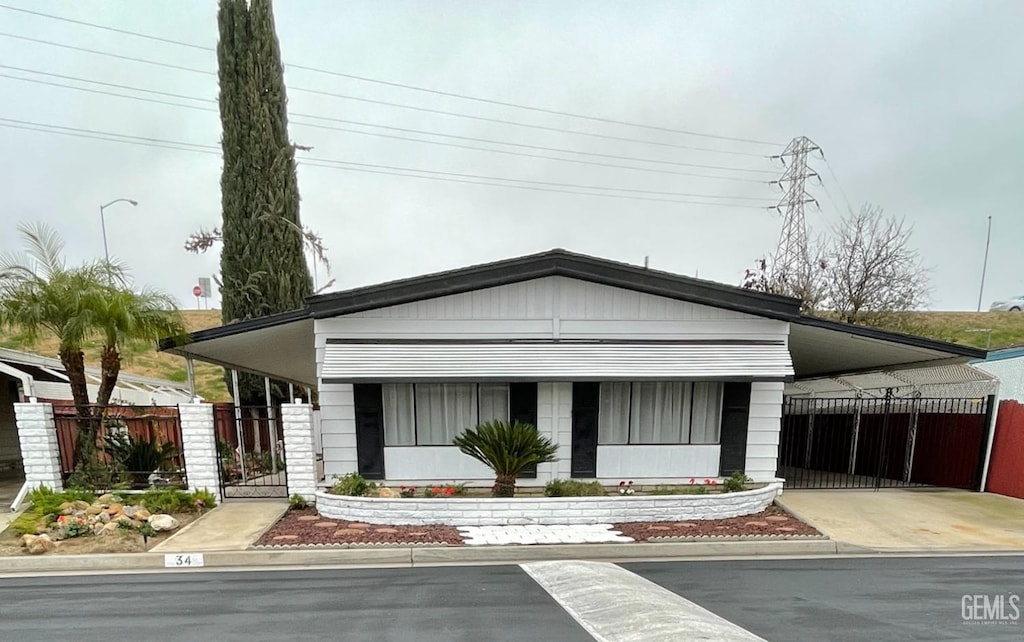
(250, 450)
(884, 442)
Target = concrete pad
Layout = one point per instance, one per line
(912, 518)
(233, 526)
(616, 605)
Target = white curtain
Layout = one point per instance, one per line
(660, 413)
(399, 419)
(444, 410)
(613, 417)
(705, 427)
(493, 401)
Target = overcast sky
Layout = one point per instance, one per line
(918, 106)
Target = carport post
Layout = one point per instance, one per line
(191, 370)
(856, 435)
(238, 425)
(908, 464)
(992, 415)
(271, 425)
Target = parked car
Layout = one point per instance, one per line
(1013, 304)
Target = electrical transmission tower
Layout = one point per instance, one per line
(791, 255)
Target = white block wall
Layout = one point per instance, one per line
(763, 429)
(466, 511)
(300, 449)
(199, 444)
(37, 434)
(338, 430)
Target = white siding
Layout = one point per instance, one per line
(433, 463)
(338, 430)
(550, 308)
(763, 429)
(641, 463)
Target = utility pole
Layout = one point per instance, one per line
(984, 265)
(791, 254)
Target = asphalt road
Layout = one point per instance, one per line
(828, 599)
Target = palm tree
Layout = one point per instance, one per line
(40, 294)
(507, 449)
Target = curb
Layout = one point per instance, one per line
(421, 556)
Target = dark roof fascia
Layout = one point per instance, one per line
(554, 263)
(893, 337)
(239, 327)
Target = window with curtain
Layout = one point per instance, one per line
(659, 412)
(432, 414)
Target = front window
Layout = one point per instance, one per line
(432, 414)
(660, 412)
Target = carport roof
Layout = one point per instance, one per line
(819, 347)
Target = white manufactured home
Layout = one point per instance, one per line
(637, 374)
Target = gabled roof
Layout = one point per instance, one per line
(820, 347)
(555, 262)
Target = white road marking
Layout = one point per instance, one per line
(615, 605)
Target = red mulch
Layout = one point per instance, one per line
(306, 528)
(772, 522)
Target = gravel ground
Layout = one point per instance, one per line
(772, 522)
(306, 527)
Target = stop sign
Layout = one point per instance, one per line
(196, 291)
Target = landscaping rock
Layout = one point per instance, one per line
(109, 528)
(129, 511)
(325, 524)
(776, 518)
(97, 528)
(66, 508)
(115, 509)
(78, 505)
(141, 514)
(95, 509)
(38, 544)
(103, 518)
(105, 499)
(309, 518)
(389, 493)
(123, 519)
(163, 523)
(758, 523)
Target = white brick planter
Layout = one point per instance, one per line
(490, 511)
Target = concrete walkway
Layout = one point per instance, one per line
(233, 526)
(909, 519)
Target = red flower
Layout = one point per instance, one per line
(449, 491)
(691, 481)
(622, 483)
(436, 490)
(714, 482)
(707, 481)
(631, 482)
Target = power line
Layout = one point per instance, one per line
(376, 134)
(370, 168)
(838, 184)
(97, 52)
(412, 87)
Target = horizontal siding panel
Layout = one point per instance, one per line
(359, 328)
(748, 329)
(555, 362)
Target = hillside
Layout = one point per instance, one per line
(1002, 329)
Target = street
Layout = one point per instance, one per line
(833, 599)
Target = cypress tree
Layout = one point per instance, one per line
(263, 267)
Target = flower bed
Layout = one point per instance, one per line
(497, 511)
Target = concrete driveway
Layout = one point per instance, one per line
(912, 518)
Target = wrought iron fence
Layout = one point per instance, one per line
(132, 447)
(250, 449)
(883, 442)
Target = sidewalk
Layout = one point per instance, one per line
(229, 527)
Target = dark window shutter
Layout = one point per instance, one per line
(735, 413)
(369, 403)
(522, 407)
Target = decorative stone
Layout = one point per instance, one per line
(38, 544)
(385, 530)
(419, 533)
(123, 519)
(309, 518)
(282, 538)
(141, 514)
(103, 518)
(785, 529)
(389, 493)
(686, 525)
(78, 504)
(358, 525)
(326, 525)
(95, 509)
(105, 499)
(756, 524)
(66, 508)
(163, 523)
(776, 518)
(343, 532)
(659, 528)
(97, 528)
(109, 528)
(129, 511)
(115, 509)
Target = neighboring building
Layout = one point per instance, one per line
(24, 376)
(635, 373)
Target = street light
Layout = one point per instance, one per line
(103, 223)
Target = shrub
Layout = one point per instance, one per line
(573, 488)
(444, 490)
(297, 502)
(507, 449)
(736, 482)
(173, 500)
(140, 457)
(679, 490)
(353, 485)
(46, 501)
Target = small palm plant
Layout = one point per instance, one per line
(507, 449)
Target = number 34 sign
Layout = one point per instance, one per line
(183, 560)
